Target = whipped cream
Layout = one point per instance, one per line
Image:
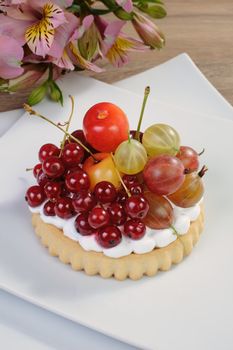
(152, 239)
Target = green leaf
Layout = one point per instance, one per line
(154, 11)
(74, 9)
(37, 94)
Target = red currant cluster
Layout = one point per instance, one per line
(64, 188)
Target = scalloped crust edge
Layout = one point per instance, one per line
(133, 266)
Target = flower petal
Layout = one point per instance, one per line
(111, 33)
(8, 25)
(86, 23)
(78, 60)
(118, 53)
(40, 35)
(64, 61)
(11, 54)
(127, 5)
(63, 35)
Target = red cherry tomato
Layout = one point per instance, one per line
(105, 126)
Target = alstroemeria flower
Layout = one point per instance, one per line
(38, 20)
(115, 45)
(118, 53)
(148, 31)
(127, 5)
(11, 54)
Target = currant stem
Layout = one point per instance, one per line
(146, 94)
(33, 112)
(29, 169)
(174, 231)
(68, 124)
(120, 178)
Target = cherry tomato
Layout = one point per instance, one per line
(105, 126)
(104, 170)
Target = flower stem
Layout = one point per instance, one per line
(120, 178)
(68, 124)
(146, 94)
(33, 112)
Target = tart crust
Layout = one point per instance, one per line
(133, 266)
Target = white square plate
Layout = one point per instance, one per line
(191, 305)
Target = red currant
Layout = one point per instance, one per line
(72, 154)
(85, 201)
(48, 208)
(64, 208)
(98, 217)
(36, 169)
(121, 197)
(105, 192)
(53, 190)
(82, 226)
(53, 167)
(136, 188)
(77, 181)
(109, 236)
(41, 178)
(136, 206)
(66, 193)
(129, 180)
(35, 196)
(117, 214)
(48, 150)
(134, 229)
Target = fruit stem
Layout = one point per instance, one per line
(33, 112)
(203, 170)
(201, 152)
(174, 231)
(146, 94)
(29, 169)
(120, 178)
(68, 124)
(129, 138)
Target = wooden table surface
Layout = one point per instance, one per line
(201, 28)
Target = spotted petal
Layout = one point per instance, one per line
(40, 35)
(118, 53)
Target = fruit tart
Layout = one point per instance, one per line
(117, 202)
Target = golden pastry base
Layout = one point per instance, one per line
(133, 266)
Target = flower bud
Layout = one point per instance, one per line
(37, 95)
(55, 92)
(148, 31)
(88, 43)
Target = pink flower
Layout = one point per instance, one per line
(11, 54)
(148, 31)
(115, 45)
(37, 22)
